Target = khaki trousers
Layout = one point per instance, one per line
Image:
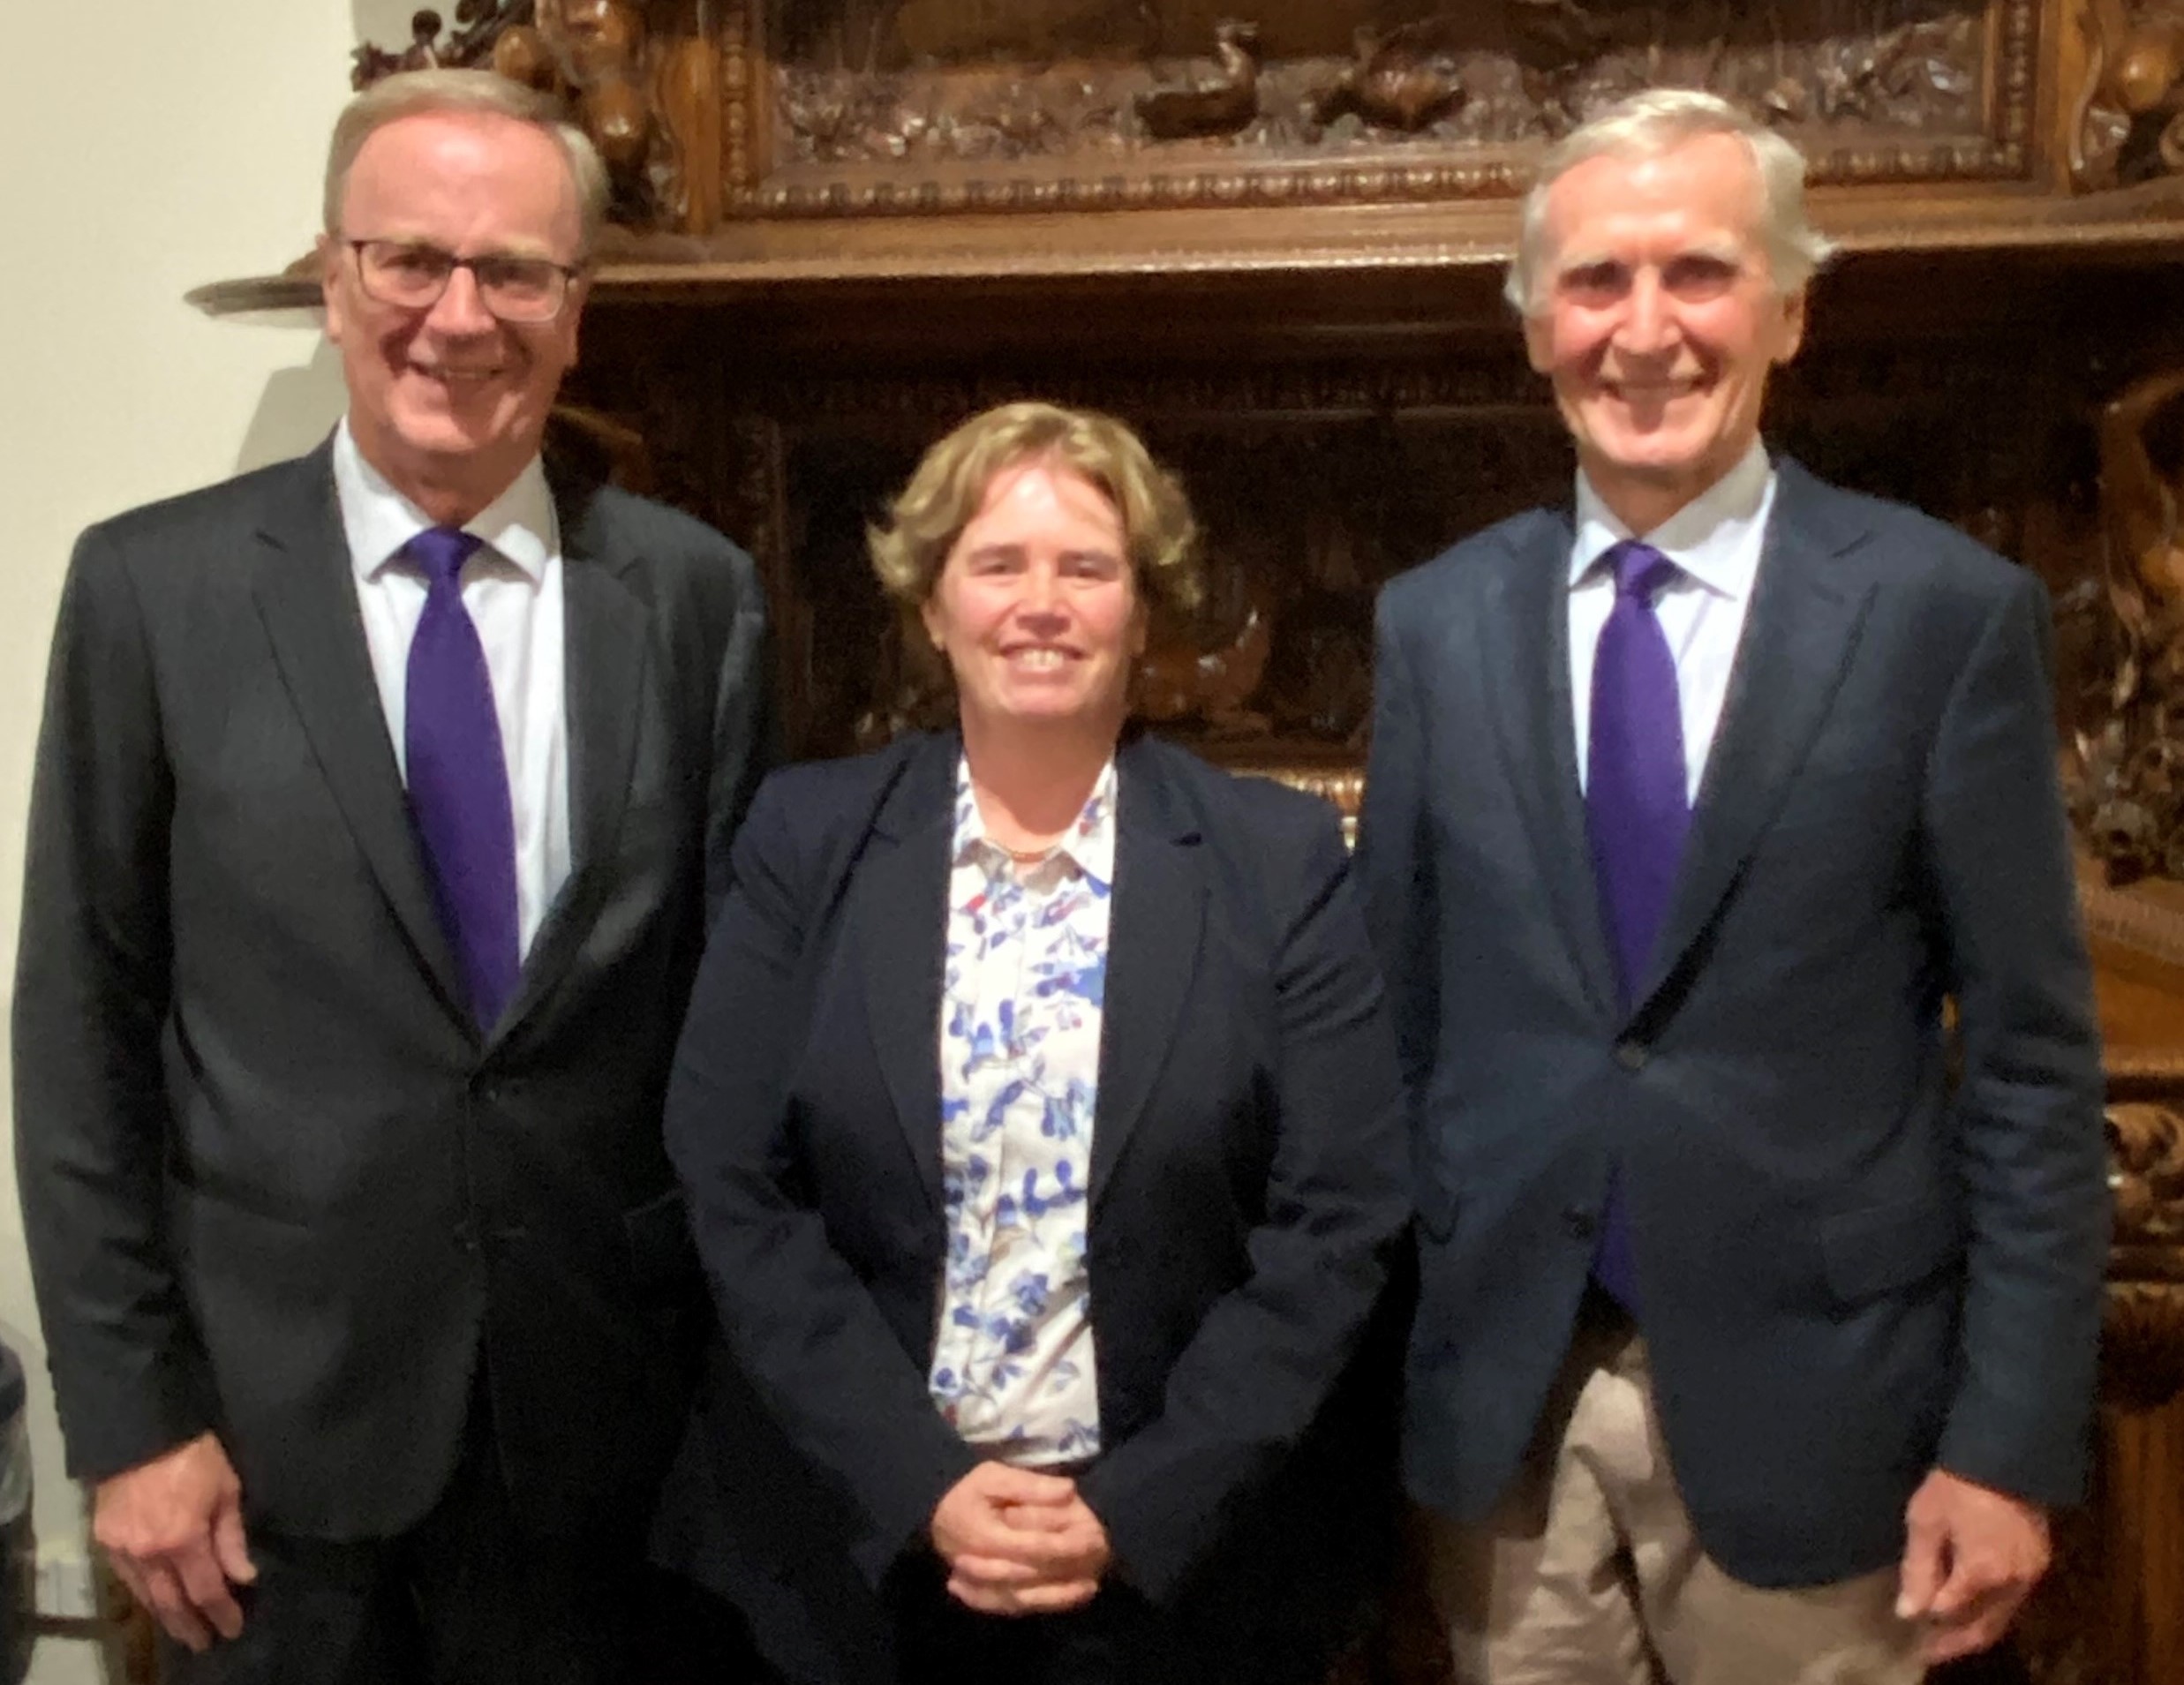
(1589, 1572)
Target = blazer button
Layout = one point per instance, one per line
(1631, 1054)
(1582, 1224)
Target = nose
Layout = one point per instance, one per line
(1040, 599)
(1648, 324)
(461, 310)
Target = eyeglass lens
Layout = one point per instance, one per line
(515, 289)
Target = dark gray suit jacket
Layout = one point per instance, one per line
(1854, 1261)
(1246, 1191)
(276, 1183)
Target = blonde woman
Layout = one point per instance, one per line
(1039, 1120)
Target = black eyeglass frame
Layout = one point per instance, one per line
(569, 273)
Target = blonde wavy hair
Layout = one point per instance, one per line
(911, 544)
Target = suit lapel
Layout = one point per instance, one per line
(307, 598)
(607, 651)
(1807, 614)
(899, 915)
(1522, 644)
(1156, 920)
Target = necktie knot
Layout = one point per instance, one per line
(1641, 569)
(442, 551)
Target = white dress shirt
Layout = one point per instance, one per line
(1715, 540)
(512, 588)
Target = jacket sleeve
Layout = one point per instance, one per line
(2027, 1124)
(1394, 863)
(1268, 1354)
(745, 740)
(93, 980)
(801, 1324)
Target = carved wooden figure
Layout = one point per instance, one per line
(2132, 119)
(1219, 104)
(1403, 80)
(2132, 764)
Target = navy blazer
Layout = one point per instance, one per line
(1246, 1183)
(1853, 1262)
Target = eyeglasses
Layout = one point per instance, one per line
(411, 276)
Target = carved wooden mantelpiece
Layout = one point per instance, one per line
(758, 144)
(842, 225)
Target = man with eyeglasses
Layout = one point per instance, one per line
(381, 803)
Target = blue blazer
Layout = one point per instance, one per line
(1247, 1187)
(1865, 1245)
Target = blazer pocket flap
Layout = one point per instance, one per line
(1885, 1247)
(661, 1253)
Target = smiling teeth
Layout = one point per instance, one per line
(1039, 659)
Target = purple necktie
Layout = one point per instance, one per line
(459, 778)
(1636, 814)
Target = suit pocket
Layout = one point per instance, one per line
(662, 1255)
(1884, 1248)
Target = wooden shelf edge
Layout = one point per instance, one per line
(2136, 225)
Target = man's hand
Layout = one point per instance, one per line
(1972, 1555)
(173, 1529)
(1018, 1542)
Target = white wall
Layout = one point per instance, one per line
(148, 148)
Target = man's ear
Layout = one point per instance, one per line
(1793, 325)
(328, 254)
(572, 310)
(1540, 340)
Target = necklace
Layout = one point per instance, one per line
(1030, 856)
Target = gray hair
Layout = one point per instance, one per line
(1649, 126)
(419, 93)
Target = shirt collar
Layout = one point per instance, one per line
(520, 525)
(1714, 538)
(1088, 844)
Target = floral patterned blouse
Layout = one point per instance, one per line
(1020, 1067)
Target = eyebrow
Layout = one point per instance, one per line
(516, 249)
(1016, 551)
(1719, 251)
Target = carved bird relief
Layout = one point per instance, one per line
(1404, 79)
(1553, 42)
(1220, 104)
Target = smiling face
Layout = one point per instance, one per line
(1659, 321)
(1036, 608)
(449, 402)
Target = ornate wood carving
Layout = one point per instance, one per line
(1090, 114)
(645, 79)
(2131, 794)
(2130, 118)
(791, 108)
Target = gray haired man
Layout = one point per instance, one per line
(1758, 1312)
